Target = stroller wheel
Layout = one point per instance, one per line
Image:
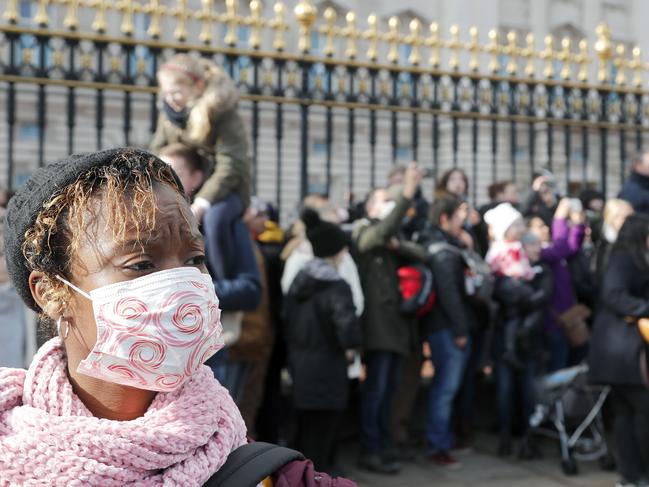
(607, 462)
(569, 466)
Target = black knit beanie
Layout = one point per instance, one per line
(327, 239)
(29, 200)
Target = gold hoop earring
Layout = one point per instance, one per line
(59, 322)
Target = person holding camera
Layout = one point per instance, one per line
(560, 244)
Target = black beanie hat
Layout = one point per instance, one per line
(28, 201)
(327, 239)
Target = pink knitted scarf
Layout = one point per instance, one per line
(48, 437)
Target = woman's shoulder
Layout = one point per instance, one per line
(11, 387)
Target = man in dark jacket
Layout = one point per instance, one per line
(636, 188)
(388, 335)
(448, 326)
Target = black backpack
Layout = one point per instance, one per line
(250, 464)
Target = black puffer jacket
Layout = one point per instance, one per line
(616, 344)
(525, 303)
(320, 324)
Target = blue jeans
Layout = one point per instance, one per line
(379, 388)
(450, 362)
(557, 346)
(218, 230)
(505, 381)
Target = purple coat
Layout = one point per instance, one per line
(566, 242)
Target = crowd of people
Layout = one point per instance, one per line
(338, 312)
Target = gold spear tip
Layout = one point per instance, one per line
(350, 17)
(305, 12)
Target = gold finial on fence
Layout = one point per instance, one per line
(393, 39)
(352, 34)
(565, 57)
(434, 43)
(528, 53)
(11, 14)
(279, 25)
(604, 50)
(181, 13)
(256, 24)
(511, 51)
(71, 20)
(127, 9)
(205, 16)
(99, 24)
(636, 66)
(306, 15)
(493, 48)
(414, 40)
(42, 18)
(329, 30)
(474, 49)
(372, 36)
(454, 45)
(231, 20)
(620, 64)
(548, 55)
(583, 60)
(155, 11)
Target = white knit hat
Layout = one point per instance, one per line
(500, 219)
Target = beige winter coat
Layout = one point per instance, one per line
(215, 125)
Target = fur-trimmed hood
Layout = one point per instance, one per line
(220, 96)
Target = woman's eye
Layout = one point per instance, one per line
(141, 266)
(197, 260)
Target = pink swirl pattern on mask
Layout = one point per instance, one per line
(147, 355)
(208, 347)
(169, 381)
(123, 372)
(127, 314)
(182, 319)
(161, 329)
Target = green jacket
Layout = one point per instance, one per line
(384, 327)
(217, 128)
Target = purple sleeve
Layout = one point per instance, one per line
(559, 248)
(576, 238)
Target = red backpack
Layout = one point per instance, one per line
(417, 288)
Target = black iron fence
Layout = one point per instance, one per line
(499, 109)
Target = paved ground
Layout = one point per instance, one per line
(483, 468)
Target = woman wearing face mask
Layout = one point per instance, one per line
(617, 351)
(199, 107)
(105, 248)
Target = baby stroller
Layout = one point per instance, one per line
(569, 409)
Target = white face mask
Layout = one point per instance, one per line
(385, 209)
(155, 331)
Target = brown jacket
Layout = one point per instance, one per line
(256, 340)
(216, 127)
